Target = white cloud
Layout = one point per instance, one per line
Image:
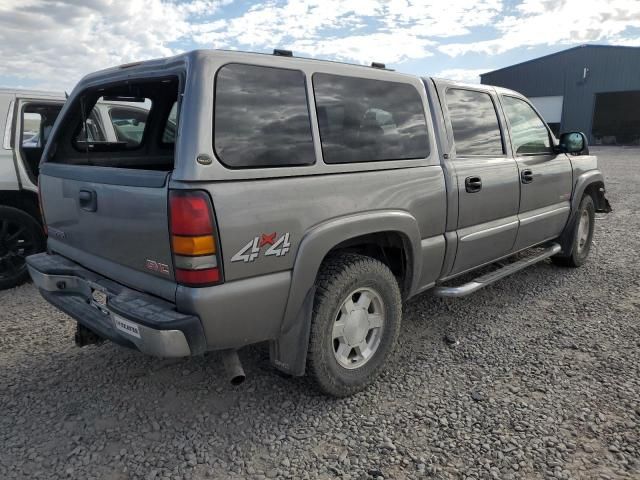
(55, 43)
(375, 47)
(463, 74)
(52, 43)
(385, 30)
(270, 24)
(627, 42)
(553, 22)
(436, 18)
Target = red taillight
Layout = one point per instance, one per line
(190, 213)
(194, 277)
(196, 255)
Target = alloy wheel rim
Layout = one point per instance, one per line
(357, 328)
(583, 230)
(16, 243)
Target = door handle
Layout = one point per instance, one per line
(526, 176)
(87, 200)
(473, 184)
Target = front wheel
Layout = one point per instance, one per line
(20, 235)
(356, 321)
(582, 235)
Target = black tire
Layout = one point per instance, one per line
(339, 276)
(580, 247)
(20, 235)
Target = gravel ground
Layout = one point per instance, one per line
(537, 376)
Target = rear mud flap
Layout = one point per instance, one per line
(288, 353)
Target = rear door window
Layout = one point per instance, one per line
(37, 123)
(262, 117)
(474, 121)
(31, 122)
(364, 120)
(528, 132)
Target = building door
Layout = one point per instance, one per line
(546, 178)
(616, 118)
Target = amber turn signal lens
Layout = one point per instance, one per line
(204, 245)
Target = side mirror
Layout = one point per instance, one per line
(574, 143)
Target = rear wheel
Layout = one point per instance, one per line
(20, 235)
(356, 321)
(582, 235)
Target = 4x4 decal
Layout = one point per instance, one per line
(277, 247)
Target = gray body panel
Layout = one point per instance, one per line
(298, 205)
(444, 229)
(486, 221)
(229, 319)
(127, 225)
(544, 203)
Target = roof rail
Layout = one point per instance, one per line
(378, 65)
(282, 53)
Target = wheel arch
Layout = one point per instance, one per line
(362, 233)
(22, 235)
(391, 247)
(22, 200)
(589, 183)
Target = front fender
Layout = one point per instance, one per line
(591, 180)
(592, 177)
(289, 351)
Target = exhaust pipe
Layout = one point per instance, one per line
(232, 365)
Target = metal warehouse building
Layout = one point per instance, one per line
(591, 88)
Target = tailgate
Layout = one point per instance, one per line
(113, 221)
(104, 180)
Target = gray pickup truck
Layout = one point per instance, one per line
(270, 198)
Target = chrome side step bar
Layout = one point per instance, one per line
(487, 279)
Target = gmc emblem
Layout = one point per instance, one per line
(157, 267)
